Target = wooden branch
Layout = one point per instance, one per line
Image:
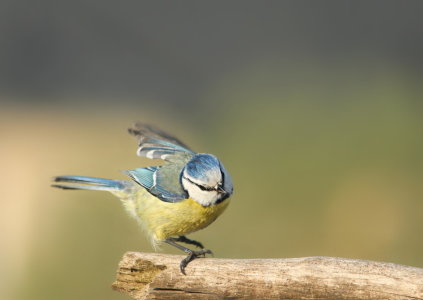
(157, 276)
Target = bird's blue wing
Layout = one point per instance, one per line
(154, 143)
(161, 181)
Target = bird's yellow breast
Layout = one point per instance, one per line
(162, 219)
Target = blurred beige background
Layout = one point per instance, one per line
(315, 110)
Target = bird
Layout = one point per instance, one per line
(184, 194)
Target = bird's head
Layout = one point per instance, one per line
(206, 180)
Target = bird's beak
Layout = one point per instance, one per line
(220, 190)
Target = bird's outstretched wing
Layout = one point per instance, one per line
(161, 181)
(154, 143)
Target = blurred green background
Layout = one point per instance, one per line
(314, 107)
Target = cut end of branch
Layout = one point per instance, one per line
(135, 275)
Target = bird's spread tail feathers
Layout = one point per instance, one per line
(88, 183)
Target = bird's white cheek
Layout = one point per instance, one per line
(205, 198)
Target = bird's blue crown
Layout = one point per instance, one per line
(205, 168)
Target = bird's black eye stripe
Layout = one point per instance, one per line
(202, 187)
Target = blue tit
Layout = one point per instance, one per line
(185, 194)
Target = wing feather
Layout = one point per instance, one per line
(154, 143)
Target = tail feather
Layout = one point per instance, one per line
(88, 183)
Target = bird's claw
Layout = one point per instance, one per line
(191, 256)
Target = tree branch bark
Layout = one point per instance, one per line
(157, 276)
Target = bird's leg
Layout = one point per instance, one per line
(184, 239)
(192, 254)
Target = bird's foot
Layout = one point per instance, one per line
(191, 256)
